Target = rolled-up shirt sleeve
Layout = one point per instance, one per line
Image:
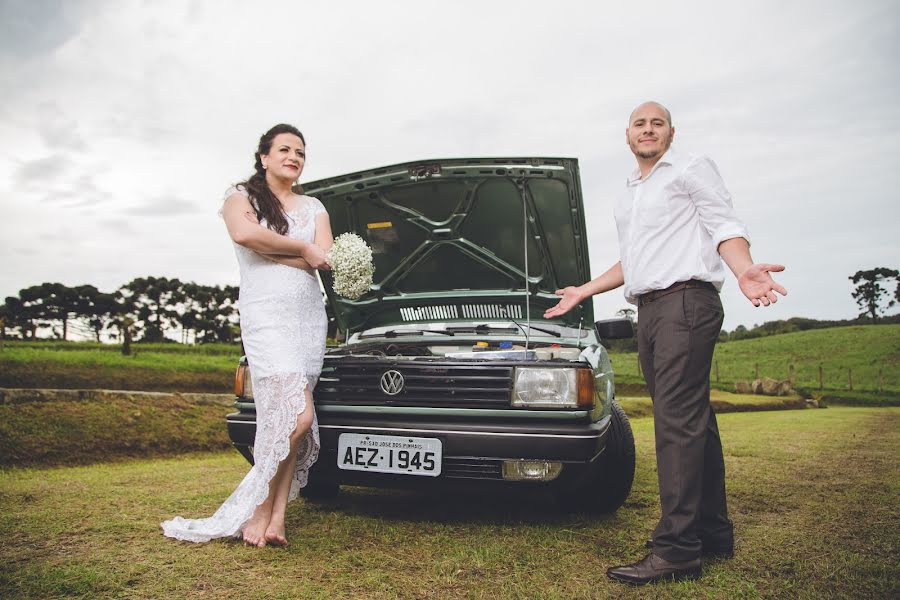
(707, 190)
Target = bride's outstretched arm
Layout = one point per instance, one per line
(254, 236)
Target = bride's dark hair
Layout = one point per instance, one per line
(264, 201)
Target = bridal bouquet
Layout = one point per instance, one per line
(351, 265)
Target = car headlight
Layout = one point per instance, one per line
(553, 388)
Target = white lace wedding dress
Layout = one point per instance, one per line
(283, 327)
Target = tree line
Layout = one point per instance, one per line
(147, 309)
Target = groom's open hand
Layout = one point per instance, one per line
(570, 298)
(758, 285)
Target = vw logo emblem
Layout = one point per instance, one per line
(392, 382)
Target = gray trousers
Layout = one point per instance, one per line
(676, 337)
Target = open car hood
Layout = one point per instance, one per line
(449, 241)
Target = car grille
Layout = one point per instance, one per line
(426, 384)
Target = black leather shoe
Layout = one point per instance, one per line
(653, 568)
(709, 550)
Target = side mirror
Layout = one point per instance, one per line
(614, 329)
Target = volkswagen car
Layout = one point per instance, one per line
(447, 373)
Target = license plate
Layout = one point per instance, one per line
(389, 454)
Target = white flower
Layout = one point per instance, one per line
(351, 266)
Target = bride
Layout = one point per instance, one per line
(280, 238)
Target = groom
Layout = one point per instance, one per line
(676, 225)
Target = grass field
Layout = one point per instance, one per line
(151, 367)
(871, 351)
(101, 426)
(812, 493)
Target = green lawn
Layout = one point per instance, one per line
(813, 495)
(88, 427)
(151, 367)
(872, 352)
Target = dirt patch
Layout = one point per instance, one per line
(61, 376)
(57, 427)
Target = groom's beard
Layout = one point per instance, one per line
(651, 153)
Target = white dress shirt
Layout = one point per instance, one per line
(671, 223)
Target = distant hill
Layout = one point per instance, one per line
(768, 328)
(799, 324)
(869, 354)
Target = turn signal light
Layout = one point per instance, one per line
(585, 384)
(243, 388)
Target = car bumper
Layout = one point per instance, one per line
(472, 452)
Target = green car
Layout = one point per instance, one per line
(449, 375)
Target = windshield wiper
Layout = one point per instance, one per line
(536, 328)
(392, 333)
(541, 329)
(484, 329)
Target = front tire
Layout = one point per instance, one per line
(609, 485)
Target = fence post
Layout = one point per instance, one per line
(792, 375)
(850, 377)
(821, 379)
(880, 379)
(717, 370)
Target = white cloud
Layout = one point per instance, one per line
(167, 206)
(122, 123)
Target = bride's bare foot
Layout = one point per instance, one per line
(255, 528)
(275, 532)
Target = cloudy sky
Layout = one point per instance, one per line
(121, 123)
